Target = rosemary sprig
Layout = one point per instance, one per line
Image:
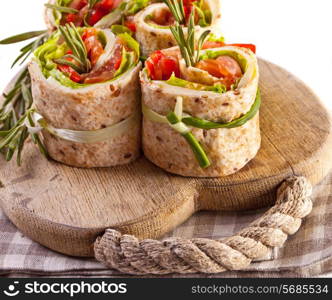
(14, 112)
(187, 43)
(17, 102)
(27, 50)
(61, 9)
(22, 37)
(76, 45)
(177, 9)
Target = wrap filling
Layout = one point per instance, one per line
(77, 57)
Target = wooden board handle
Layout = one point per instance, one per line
(127, 254)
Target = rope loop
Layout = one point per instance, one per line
(128, 255)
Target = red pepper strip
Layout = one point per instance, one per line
(211, 44)
(70, 72)
(248, 46)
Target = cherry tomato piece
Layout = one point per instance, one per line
(161, 67)
(105, 4)
(131, 25)
(71, 18)
(78, 4)
(95, 16)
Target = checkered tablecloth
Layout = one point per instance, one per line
(308, 253)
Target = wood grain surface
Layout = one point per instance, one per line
(66, 208)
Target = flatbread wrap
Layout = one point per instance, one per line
(153, 23)
(100, 14)
(104, 95)
(215, 102)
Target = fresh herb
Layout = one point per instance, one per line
(22, 37)
(177, 9)
(15, 114)
(62, 9)
(75, 43)
(187, 43)
(27, 50)
(17, 103)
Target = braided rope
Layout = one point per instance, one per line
(127, 254)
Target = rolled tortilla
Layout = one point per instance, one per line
(89, 108)
(52, 24)
(152, 38)
(115, 17)
(229, 150)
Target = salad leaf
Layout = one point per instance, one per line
(118, 29)
(134, 6)
(127, 61)
(131, 42)
(175, 81)
(49, 51)
(213, 38)
(64, 80)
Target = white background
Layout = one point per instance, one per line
(296, 34)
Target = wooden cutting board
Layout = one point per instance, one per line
(66, 208)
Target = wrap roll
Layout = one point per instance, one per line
(103, 14)
(65, 103)
(153, 37)
(228, 149)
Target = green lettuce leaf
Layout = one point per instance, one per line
(135, 6)
(64, 80)
(213, 38)
(49, 51)
(128, 60)
(118, 29)
(131, 42)
(175, 81)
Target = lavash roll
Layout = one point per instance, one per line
(229, 150)
(89, 108)
(152, 38)
(51, 23)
